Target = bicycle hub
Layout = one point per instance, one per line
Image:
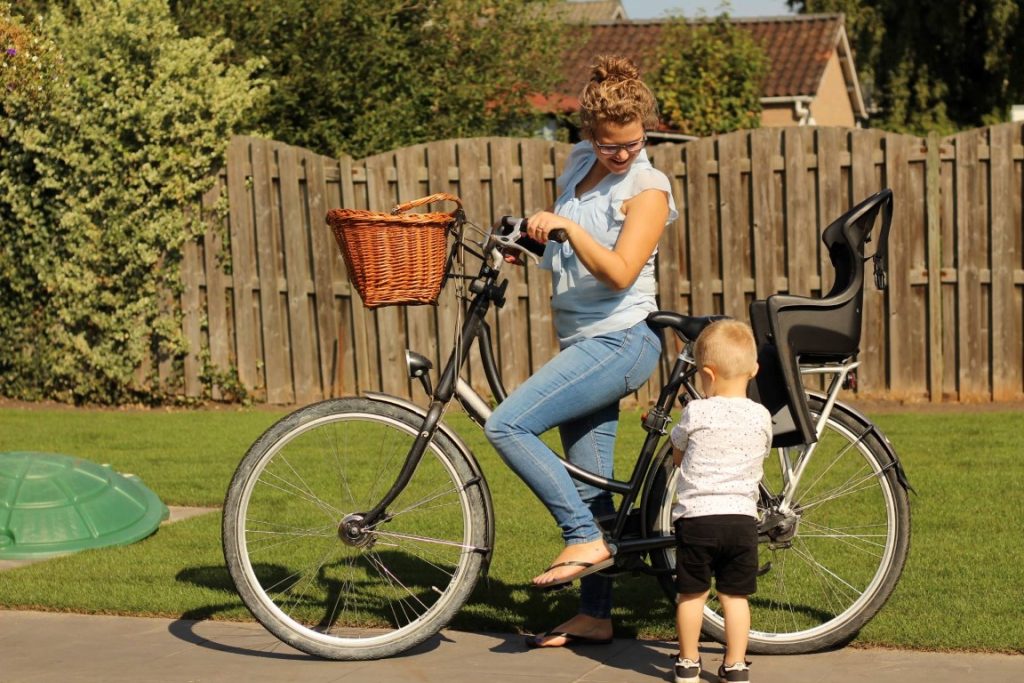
(352, 532)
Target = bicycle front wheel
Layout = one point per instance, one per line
(311, 573)
(837, 559)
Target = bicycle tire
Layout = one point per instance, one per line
(399, 582)
(842, 565)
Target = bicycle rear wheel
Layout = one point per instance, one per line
(846, 552)
(321, 583)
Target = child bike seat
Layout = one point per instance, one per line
(791, 330)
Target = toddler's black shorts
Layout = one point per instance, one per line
(722, 546)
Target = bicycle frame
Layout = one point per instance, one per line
(486, 291)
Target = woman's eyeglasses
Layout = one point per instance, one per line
(630, 147)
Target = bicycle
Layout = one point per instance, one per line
(355, 528)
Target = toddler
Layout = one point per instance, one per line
(720, 444)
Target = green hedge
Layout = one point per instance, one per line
(111, 125)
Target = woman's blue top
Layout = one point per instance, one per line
(582, 305)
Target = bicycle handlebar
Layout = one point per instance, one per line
(512, 230)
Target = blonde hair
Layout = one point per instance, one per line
(728, 347)
(615, 93)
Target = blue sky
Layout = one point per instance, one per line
(656, 9)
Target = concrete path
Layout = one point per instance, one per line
(37, 647)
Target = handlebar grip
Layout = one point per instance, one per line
(559, 235)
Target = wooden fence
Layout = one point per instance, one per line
(266, 294)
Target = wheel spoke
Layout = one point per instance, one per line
(358, 592)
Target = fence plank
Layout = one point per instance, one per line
(1016, 198)
(390, 338)
(933, 197)
(900, 317)
(669, 265)
(364, 356)
(970, 225)
(768, 239)
(671, 247)
(871, 374)
(801, 221)
(473, 155)
(539, 193)
(268, 250)
(440, 161)
(950, 306)
(698, 157)
(511, 330)
(1006, 310)
(217, 284)
(243, 262)
(734, 245)
(831, 203)
(420, 322)
(323, 247)
(305, 354)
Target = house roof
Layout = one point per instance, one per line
(591, 11)
(798, 49)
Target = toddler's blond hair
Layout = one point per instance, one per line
(727, 347)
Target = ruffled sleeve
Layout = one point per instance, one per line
(576, 164)
(643, 178)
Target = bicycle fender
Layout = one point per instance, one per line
(868, 425)
(466, 453)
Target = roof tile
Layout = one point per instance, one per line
(798, 49)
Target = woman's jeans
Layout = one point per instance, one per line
(578, 391)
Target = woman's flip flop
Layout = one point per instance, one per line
(588, 569)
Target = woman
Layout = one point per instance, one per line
(613, 205)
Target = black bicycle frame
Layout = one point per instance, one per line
(476, 329)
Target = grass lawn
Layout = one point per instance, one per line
(961, 588)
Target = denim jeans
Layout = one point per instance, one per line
(578, 391)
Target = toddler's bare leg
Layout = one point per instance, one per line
(736, 611)
(689, 616)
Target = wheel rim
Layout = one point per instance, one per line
(843, 550)
(312, 567)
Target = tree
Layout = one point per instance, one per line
(362, 78)
(95, 178)
(934, 65)
(709, 76)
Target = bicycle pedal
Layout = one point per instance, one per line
(764, 569)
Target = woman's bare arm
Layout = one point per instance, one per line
(646, 214)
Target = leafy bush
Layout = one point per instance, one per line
(93, 182)
(30, 64)
(709, 76)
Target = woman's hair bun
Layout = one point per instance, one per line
(615, 93)
(613, 68)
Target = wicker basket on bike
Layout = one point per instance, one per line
(396, 258)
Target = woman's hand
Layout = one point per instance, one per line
(540, 225)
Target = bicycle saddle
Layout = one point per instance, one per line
(688, 327)
(791, 329)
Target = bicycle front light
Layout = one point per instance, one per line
(418, 367)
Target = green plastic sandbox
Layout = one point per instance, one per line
(52, 504)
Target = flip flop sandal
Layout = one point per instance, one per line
(588, 569)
